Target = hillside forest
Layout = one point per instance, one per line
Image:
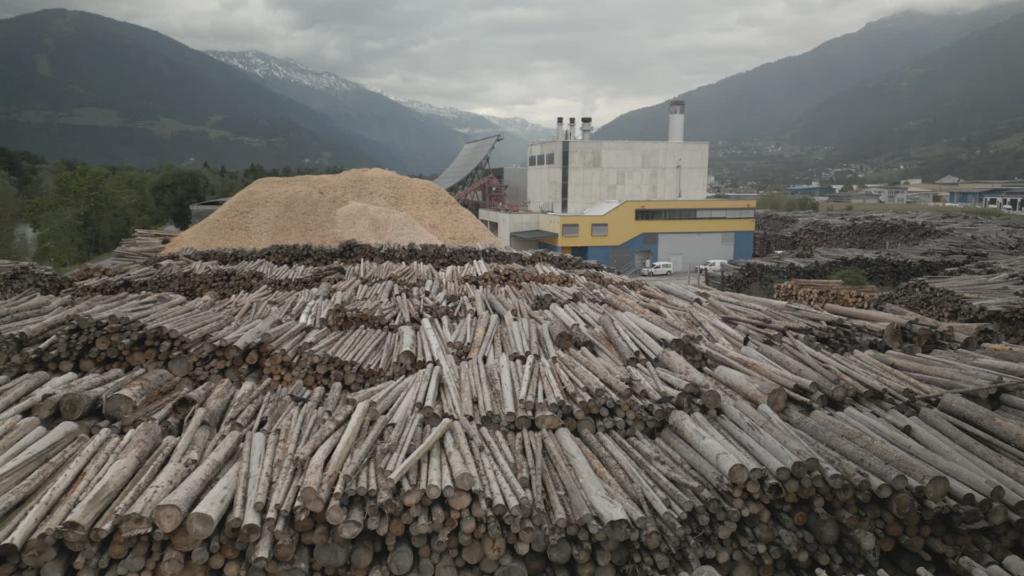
(62, 213)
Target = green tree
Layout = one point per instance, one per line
(12, 247)
(175, 189)
(851, 277)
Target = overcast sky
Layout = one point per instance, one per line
(535, 59)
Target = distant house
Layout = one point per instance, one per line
(888, 194)
(949, 180)
(811, 191)
(854, 198)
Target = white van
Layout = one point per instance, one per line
(712, 266)
(658, 269)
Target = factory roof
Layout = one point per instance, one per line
(534, 234)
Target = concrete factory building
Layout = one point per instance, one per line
(623, 203)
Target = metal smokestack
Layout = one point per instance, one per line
(586, 128)
(676, 117)
(559, 134)
(572, 129)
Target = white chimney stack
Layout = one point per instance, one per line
(559, 134)
(676, 116)
(572, 129)
(586, 128)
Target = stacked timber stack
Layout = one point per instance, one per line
(141, 247)
(884, 268)
(813, 230)
(550, 427)
(891, 247)
(17, 277)
(821, 292)
(997, 299)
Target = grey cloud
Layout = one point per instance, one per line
(533, 58)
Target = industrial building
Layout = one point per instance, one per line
(988, 197)
(622, 203)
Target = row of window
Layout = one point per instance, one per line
(543, 159)
(574, 229)
(694, 214)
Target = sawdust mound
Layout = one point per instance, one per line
(373, 206)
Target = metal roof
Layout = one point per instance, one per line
(472, 154)
(534, 234)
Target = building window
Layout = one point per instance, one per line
(689, 214)
(533, 160)
(570, 229)
(598, 229)
(550, 158)
(540, 160)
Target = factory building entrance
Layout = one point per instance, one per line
(621, 257)
(687, 251)
(640, 258)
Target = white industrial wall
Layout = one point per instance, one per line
(687, 251)
(544, 183)
(618, 170)
(514, 178)
(509, 222)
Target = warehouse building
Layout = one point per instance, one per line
(624, 203)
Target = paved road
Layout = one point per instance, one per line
(677, 278)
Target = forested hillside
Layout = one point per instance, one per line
(764, 103)
(63, 213)
(77, 85)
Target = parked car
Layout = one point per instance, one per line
(711, 266)
(657, 269)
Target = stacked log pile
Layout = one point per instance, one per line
(882, 268)
(891, 247)
(997, 299)
(548, 427)
(821, 292)
(141, 247)
(351, 252)
(18, 277)
(812, 230)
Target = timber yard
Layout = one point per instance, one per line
(356, 374)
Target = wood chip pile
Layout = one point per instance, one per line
(821, 292)
(371, 205)
(425, 417)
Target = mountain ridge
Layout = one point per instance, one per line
(767, 100)
(67, 94)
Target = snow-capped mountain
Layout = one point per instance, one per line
(408, 135)
(528, 130)
(479, 124)
(266, 66)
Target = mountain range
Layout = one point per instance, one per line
(920, 87)
(409, 136)
(909, 85)
(85, 87)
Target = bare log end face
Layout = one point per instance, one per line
(72, 406)
(936, 488)
(167, 517)
(311, 499)
(738, 474)
(200, 525)
(117, 406)
(464, 481)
